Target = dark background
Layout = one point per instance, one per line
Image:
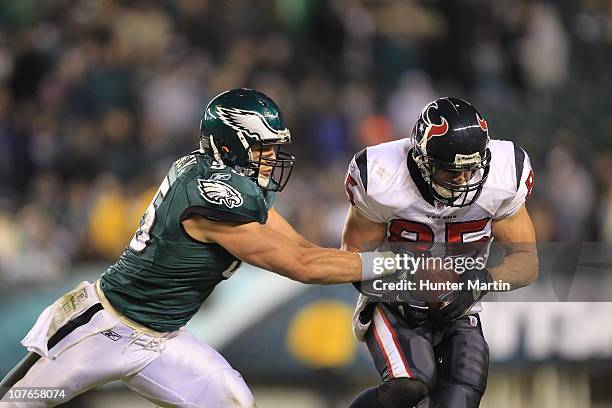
(99, 97)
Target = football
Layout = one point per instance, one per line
(433, 278)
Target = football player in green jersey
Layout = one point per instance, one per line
(212, 211)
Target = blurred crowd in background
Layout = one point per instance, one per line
(99, 97)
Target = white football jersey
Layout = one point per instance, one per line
(379, 184)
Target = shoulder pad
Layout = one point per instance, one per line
(513, 175)
(356, 184)
(385, 166)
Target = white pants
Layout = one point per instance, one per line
(170, 370)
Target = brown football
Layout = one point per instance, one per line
(432, 281)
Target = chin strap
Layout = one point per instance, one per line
(215, 150)
(263, 181)
(421, 165)
(444, 192)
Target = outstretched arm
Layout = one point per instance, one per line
(262, 246)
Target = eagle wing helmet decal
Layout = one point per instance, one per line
(252, 124)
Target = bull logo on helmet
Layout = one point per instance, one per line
(483, 124)
(433, 129)
(437, 130)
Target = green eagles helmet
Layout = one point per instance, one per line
(237, 121)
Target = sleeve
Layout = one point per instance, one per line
(356, 186)
(225, 197)
(524, 185)
(270, 197)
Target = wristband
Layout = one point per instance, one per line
(377, 264)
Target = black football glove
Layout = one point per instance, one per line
(457, 303)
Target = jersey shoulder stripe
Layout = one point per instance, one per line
(361, 159)
(519, 161)
(502, 194)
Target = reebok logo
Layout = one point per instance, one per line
(111, 335)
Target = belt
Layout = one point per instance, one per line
(123, 319)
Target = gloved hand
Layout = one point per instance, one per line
(383, 272)
(456, 304)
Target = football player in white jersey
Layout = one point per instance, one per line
(448, 183)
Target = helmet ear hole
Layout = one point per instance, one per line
(227, 155)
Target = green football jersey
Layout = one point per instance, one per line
(164, 276)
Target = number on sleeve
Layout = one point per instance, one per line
(231, 269)
(529, 183)
(350, 181)
(143, 233)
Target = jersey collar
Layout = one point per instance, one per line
(418, 179)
